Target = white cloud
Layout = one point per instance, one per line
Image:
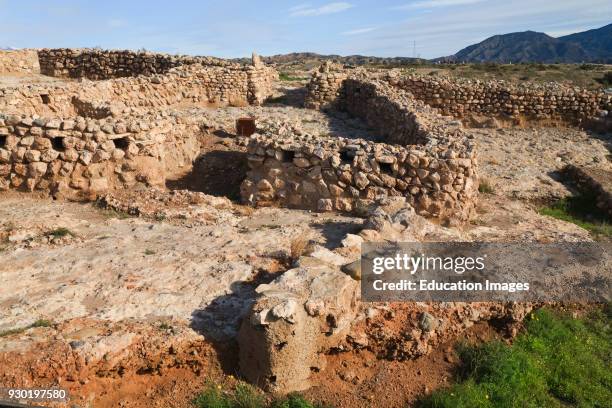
(331, 8)
(359, 31)
(300, 7)
(427, 4)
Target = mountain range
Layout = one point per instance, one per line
(530, 46)
(593, 46)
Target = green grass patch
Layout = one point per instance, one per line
(558, 361)
(37, 323)
(582, 211)
(284, 76)
(246, 396)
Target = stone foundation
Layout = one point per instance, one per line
(426, 158)
(462, 98)
(195, 84)
(79, 139)
(529, 101)
(107, 64)
(78, 158)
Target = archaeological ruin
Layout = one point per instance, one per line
(100, 125)
(82, 138)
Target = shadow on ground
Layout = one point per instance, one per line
(217, 172)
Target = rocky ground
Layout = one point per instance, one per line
(524, 163)
(141, 292)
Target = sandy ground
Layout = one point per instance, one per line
(18, 79)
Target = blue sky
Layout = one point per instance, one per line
(233, 28)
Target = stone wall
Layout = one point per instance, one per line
(82, 138)
(194, 84)
(19, 61)
(106, 64)
(323, 89)
(428, 159)
(530, 101)
(79, 157)
(462, 98)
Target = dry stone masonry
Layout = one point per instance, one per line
(78, 158)
(424, 157)
(188, 84)
(78, 139)
(463, 98)
(106, 64)
(529, 101)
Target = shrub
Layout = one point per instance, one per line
(59, 233)
(298, 247)
(485, 186)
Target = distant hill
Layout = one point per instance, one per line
(311, 59)
(530, 46)
(593, 46)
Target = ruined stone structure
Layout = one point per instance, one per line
(216, 85)
(306, 310)
(78, 158)
(82, 138)
(324, 87)
(461, 98)
(106, 64)
(422, 156)
(574, 106)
